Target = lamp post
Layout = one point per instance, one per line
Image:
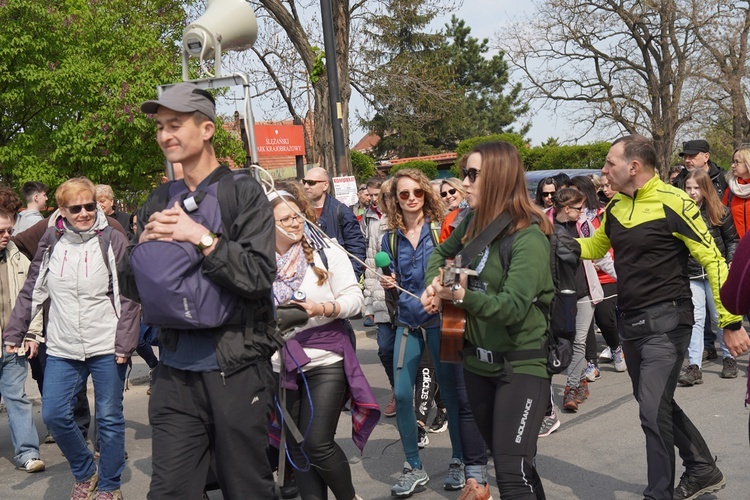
(334, 97)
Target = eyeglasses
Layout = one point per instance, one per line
(449, 192)
(76, 209)
(471, 173)
(404, 195)
(548, 194)
(737, 162)
(576, 208)
(311, 182)
(6, 231)
(288, 221)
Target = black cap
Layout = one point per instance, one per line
(185, 98)
(695, 147)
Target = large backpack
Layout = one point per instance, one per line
(169, 274)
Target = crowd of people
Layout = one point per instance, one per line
(237, 398)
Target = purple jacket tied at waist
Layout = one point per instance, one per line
(332, 337)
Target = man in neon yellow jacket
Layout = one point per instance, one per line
(652, 227)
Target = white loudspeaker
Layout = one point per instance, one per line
(230, 24)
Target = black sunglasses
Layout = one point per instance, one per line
(76, 209)
(449, 192)
(471, 173)
(548, 195)
(311, 182)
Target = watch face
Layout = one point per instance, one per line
(207, 240)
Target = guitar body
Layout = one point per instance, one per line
(452, 333)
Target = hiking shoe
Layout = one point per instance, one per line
(592, 372)
(409, 480)
(473, 491)
(390, 408)
(369, 320)
(33, 465)
(441, 420)
(709, 353)
(550, 424)
(422, 439)
(456, 479)
(691, 375)
(48, 439)
(619, 357)
(730, 368)
(570, 402)
(606, 355)
(108, 495)
(85, 490)
(289, 489)
(692, 487)
(583, 391)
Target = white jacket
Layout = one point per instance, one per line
(87, 316)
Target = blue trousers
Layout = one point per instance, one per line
(412, 343)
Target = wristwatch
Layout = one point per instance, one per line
(206, 241)
(454, 289)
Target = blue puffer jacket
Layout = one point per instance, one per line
(410, 267)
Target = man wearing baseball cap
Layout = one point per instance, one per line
(697, 155)
(212, 390)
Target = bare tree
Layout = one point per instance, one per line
(722, 28)
(621, 62)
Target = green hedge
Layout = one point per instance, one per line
(363, 166)
(427, 167)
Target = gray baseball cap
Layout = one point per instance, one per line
(184, 98)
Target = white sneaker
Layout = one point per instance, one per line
(606, 354)
(619, 356)
(33, 465)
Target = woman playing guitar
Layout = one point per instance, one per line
(508, 399)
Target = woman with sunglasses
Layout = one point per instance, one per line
(545, 193)
(416, 207)
(92, 330)
(318, 366)
(452, 193)
(501, 317)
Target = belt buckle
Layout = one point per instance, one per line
(485, 356)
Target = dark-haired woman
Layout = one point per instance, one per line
(545, 192)
(504, 315)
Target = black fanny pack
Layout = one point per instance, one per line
(654, 320)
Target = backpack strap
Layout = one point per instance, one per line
(435, 233)
(227, 194)
(323, 257)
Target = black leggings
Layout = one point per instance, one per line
(605, 317)
(508, 416)
(329, 467)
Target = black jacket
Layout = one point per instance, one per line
(725, 236)
(717, 175)
(244, 261)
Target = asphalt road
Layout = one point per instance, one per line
(597, 454)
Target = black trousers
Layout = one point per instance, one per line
(195, 415)
(508, 416)
(654, 364)
(318, 416)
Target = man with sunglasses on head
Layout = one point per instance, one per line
(335, 218)
(212, 389)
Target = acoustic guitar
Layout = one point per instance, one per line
(453, 319)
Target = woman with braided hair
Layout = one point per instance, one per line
(318, 366)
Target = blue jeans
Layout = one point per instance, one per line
(63, 378)
(702, 295)
(413, 344)
(23, 432)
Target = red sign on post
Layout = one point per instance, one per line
(280, 140)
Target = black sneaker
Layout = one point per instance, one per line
(441, 421)
(709, 353)
(691, 375)
(692, 487)
(730, 368)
